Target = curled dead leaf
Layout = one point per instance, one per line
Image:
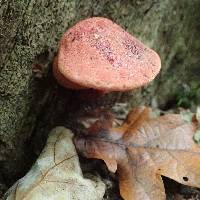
(197, 119)
(143, 149)
(56, 174)
(198, 114)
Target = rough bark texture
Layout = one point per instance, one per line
(31, 102)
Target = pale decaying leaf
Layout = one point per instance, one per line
(56, 175)
(143, 149)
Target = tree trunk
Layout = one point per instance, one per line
(31, 102)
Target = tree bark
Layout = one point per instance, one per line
(31, 102)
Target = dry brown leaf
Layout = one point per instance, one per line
(56, 174)
(143, 149)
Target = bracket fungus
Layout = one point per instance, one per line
(98, 54)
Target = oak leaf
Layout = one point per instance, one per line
(56, 174)
(143, 149)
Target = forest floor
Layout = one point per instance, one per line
(174, 190)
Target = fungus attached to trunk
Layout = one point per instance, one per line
(98, 54)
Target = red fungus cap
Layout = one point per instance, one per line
(97, 53)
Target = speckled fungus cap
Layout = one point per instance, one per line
(97, 53)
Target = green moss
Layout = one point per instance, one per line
(28, 29)
(197, 137)
(189, 95)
